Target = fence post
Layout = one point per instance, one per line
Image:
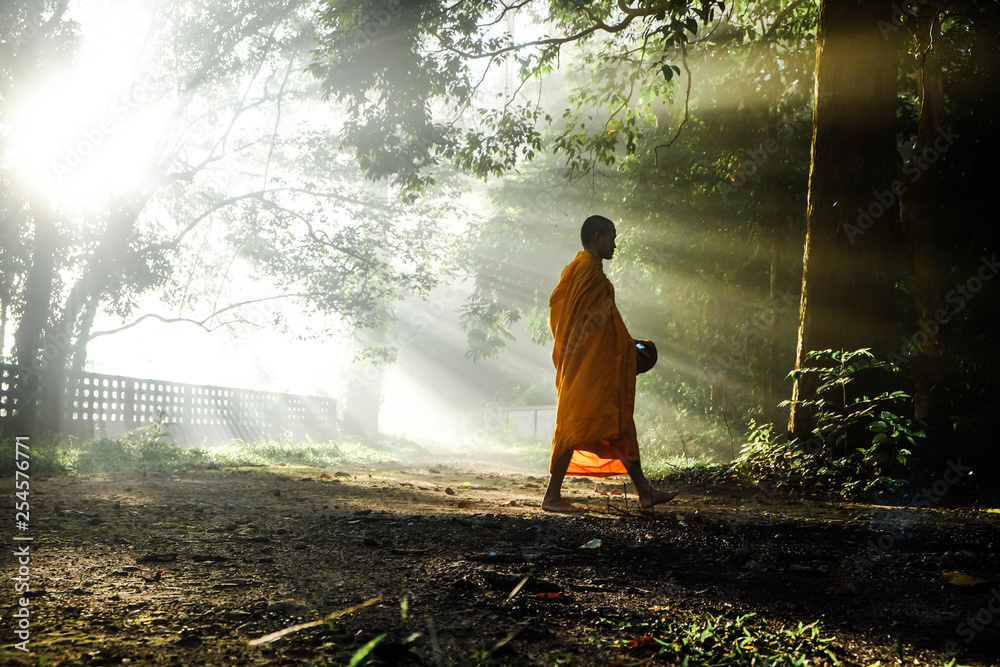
(128, 399)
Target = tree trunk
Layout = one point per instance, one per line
(917, 219)
(90, 288)
(364, 389)
(31, 351)
(847, 281)
(774, 370)
(364, 397)
(79, 359)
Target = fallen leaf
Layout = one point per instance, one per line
(509, 503)
(962, 579)
(282, 465)
(593, 544)
(326, 476)
(463, 503)
(551, 596)
(466, 483)
(644, 640)
(616, 492)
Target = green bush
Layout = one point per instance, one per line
(149, 447)
(861, 444)
(47, 457)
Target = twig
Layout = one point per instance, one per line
(267, 639)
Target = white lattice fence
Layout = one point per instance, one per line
(89, 405)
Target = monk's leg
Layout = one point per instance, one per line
(553, 501)
(648, 496)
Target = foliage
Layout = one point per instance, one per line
(861, 444)
(687, 470)
(244, 210)
(694, 218)
(407, 71)
(148, 448)
(717, 641)
(48, 456)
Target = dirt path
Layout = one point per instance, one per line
(187, 567)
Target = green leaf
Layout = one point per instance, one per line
(363, 652)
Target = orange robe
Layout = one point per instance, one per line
(594, 357)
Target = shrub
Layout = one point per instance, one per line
(861, 444)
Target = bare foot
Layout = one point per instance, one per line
(657, 497)
(562, 506)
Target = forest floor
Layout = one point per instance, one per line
(189, 567)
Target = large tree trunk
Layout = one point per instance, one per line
(67, 340)
(31, 350)
(847, 281)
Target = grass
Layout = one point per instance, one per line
(152, 448)
(750, 640)
(717, 641)
(271, 452)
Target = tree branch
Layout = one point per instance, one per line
(778, 20)
(550, 41)
(202, 323)
(687, 100)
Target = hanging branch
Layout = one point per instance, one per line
(687, 101)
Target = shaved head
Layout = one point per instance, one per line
(595, 224)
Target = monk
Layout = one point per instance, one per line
(595, 360)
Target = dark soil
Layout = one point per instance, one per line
(187, 568)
